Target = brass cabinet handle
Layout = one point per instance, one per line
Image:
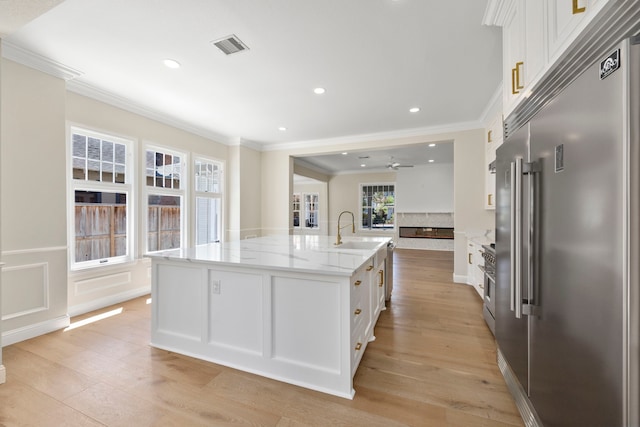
(381, 281)
(358, 283)
(358, 346)
(370, 268)
(577, 9)
(515, 78)
(358, 311)
(489, 196)
(489, 136)
(518, 84)
(470, 259)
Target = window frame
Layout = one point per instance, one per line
(308, 210)
(208, 194)
(127, 188)
(361, 226)
(182, 192)
(296, 203)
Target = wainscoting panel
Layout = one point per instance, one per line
(99, 287)
(34, 292)
(25, 290)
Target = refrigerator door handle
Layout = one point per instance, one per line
(532, 169)
(517, 294)
(512, 240)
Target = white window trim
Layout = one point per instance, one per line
(220, 195)
(149, 191)
(372, 230)
(299, 210)
(83, 185)
(303, 209)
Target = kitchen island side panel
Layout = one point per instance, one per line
(290, 326)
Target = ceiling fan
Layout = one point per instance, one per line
(395, 165)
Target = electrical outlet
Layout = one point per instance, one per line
(215, 287)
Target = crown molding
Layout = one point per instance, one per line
(496, 12)
(493, 106)
(90, 91)
(41, 63)
(246, 143)
(354, 139)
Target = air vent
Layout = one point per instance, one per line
(230, 44)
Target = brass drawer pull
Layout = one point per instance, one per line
(358, 311)
(358, 346)
(577, 9)
(381, 281)
(370, 268)
(358, 283)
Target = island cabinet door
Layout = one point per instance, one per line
(177, 305)
(361, 325)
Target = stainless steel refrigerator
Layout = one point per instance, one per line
(567, 258)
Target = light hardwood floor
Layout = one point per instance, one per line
(432, 364)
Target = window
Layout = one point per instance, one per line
(100, 208)
(311, 210)
(165, 197)
(305, 206)
(377, 204)
(296, 209)
(208, 211)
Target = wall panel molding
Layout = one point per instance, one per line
(35, 300)
(34, 250)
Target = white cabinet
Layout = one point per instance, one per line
(565, 19)
(475, 276)
(535, 35)
(494, 138)
(523, 49)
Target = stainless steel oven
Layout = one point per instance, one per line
(489, 308)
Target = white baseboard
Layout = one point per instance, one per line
(107, 301)
(35, 330)
(3, 374)
(459, 278)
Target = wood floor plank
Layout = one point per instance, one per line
(433, 363)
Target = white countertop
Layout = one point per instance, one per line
(310, 254)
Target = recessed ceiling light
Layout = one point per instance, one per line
(432, 145)
(345, 153)
(171, 63)
(430, 160)
(319, 90)
(414, 109)
(363, 165)
(282, 128)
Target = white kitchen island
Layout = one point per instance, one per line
(293, 308)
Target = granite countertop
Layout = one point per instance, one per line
(481, 237)
(309, 254)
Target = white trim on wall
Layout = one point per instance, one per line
(34, 250)
(108, 300)
(35, 330)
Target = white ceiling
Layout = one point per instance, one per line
(376, 59)
(378, 160)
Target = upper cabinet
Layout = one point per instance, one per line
(535, 33)
(522, 48)
(565, 17)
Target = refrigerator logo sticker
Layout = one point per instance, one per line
(610, 64)
(559, 158)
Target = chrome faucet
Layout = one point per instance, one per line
(353, 226)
